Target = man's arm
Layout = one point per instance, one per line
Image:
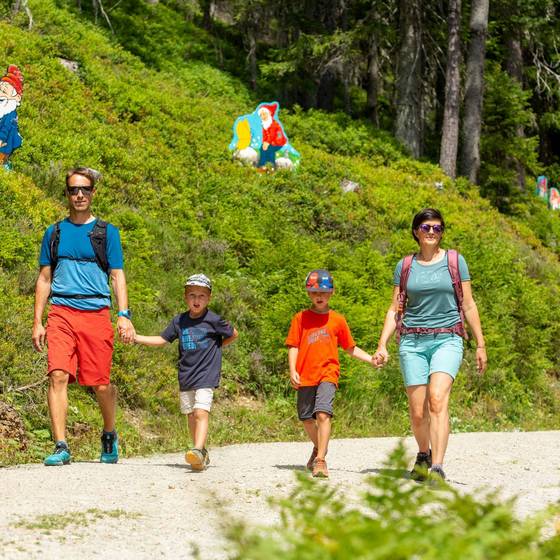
(42, 291)
(124, 325)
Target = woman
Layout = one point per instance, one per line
(430, 331)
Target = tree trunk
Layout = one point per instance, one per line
(474, 91)
(450, 128)
(326, 91)
(514, 67)
(252, 57)
(372, 82)
(206, 6)
(408, 121)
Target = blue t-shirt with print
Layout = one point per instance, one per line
(431, 298)
(200, 348)
(75, 276)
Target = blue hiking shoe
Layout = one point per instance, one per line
(60, 456)
(109, 447)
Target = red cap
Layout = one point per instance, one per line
(14, 77)
(272, 107)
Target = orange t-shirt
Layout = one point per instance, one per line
(318, 336)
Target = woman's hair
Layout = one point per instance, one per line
(423, 216)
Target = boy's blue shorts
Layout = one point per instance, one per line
(424, 354)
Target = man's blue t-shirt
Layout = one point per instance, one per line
(431, 297)
(73, 276)
(200, 348)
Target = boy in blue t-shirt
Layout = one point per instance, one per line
(201, 334)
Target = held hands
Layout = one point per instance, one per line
(38, 337)
(294, 379)
(381, 357)
(126, 330)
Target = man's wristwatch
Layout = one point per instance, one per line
(126, 313)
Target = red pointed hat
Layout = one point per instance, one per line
(14, 77)
(272, 107)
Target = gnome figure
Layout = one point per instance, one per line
(273, 135)
(11, 88)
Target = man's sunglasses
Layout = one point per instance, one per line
(425, 228)
(86, 191)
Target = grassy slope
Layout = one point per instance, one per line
(160, 135)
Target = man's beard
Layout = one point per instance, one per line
(266, 124)
(8, 107)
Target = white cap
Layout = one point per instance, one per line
(199, 280)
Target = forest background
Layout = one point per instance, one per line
(368, 96)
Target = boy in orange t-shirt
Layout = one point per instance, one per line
(313, 340)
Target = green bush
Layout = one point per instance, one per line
(395, 519)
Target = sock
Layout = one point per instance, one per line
(437, 466)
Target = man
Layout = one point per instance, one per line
(78, 255)
(11, 88)
(273, 135)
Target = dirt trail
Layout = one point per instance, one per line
(155, 507)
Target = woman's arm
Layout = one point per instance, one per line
(381, 357)
(473, 319)
(150, 340)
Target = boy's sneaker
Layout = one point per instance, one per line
(206, 456)
(320, 469)
(419, 471)
(436, 474)
(60, 456)
(109, 447)
(312, 458)
(196, 459)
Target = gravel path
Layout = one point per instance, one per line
(156, 507)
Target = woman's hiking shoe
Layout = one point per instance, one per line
(437, 475)
(60, 456)
(320, 469)
(197, 459)
(419, 471)
(109, 447)
(312, 458)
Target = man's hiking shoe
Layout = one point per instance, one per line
(206, 457)
(312, 458)
(197, 459)
(419, 471)
(60, 456)
(320, 469)
(437, 475)
(109, 447)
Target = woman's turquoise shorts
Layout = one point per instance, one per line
(423, 354)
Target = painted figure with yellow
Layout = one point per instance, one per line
(259, 140)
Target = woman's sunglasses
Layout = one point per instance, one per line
(425, 228)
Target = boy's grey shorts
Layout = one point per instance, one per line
(318, 398)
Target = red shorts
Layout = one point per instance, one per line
(80, 343)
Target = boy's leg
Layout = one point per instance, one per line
(323, 433)
(310, 427)
(199, 432)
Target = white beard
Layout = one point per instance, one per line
(7, 106)
(266, 124)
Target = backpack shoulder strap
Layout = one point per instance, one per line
(98, 238)
(53, 245)
(405, 273)
(453, 264)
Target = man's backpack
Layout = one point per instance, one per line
(98, 238)
(453, 265)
